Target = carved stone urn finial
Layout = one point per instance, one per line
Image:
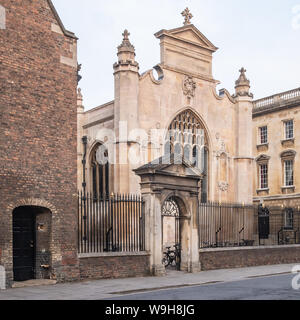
(243, 70)
(126, 42)
(242, 80)
(126, 53)
(187, 16)
(242, 85)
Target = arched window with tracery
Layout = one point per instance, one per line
(187, 137)
(99, 171)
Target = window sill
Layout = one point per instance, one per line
(288, 189)
(264, 146)
(265, 191)
(288, 142)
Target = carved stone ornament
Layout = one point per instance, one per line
(79, 77)
(189, 87)
(222, 149)
(223, 186)
(126, 45)
(187, 16)
(101, 155)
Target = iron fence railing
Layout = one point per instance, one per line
(277, 225)
(234, 225)
(113, 223)
(225, 225)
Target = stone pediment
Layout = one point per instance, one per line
(190, 34)
(288, 154)
(170, 165)
(186, 50)
(263, 158)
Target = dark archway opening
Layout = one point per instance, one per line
(31, 243)
(174, 231)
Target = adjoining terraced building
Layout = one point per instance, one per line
(38, 139)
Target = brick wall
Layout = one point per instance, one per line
(114, 267)
(248, 257)
(38, 127)
(43, 241)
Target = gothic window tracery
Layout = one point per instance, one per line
(187, 137)
(99, 171)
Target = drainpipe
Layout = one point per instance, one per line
(84, 141)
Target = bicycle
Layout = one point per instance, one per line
(171, 256)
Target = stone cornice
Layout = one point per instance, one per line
(243, 158)
(126, 63)
(243, 94)
(275, 108)
(172, 34)
(100, 107)
(277, 197)
(278, 102)
(92, 124)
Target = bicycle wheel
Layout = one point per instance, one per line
(165, 261)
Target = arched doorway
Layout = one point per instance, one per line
(170, 193)
(31, 243)
(175, 228)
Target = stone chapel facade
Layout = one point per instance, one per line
(239, 166)
(182, 98)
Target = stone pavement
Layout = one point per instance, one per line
(101, 289)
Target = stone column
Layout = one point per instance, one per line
(153, 220)
(126, 113)
(80, 121)
(244, 158)
(194, 264)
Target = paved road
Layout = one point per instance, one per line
(266, 288)
(232, 284)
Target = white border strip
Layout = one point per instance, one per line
(2, 18)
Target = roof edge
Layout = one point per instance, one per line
(66, 32)
(208, 44)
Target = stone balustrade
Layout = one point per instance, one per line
(276, 100)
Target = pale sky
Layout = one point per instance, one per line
(261, 35)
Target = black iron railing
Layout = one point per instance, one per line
(113, 223)
(225, 225)
(277, 225)
(234, 225)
